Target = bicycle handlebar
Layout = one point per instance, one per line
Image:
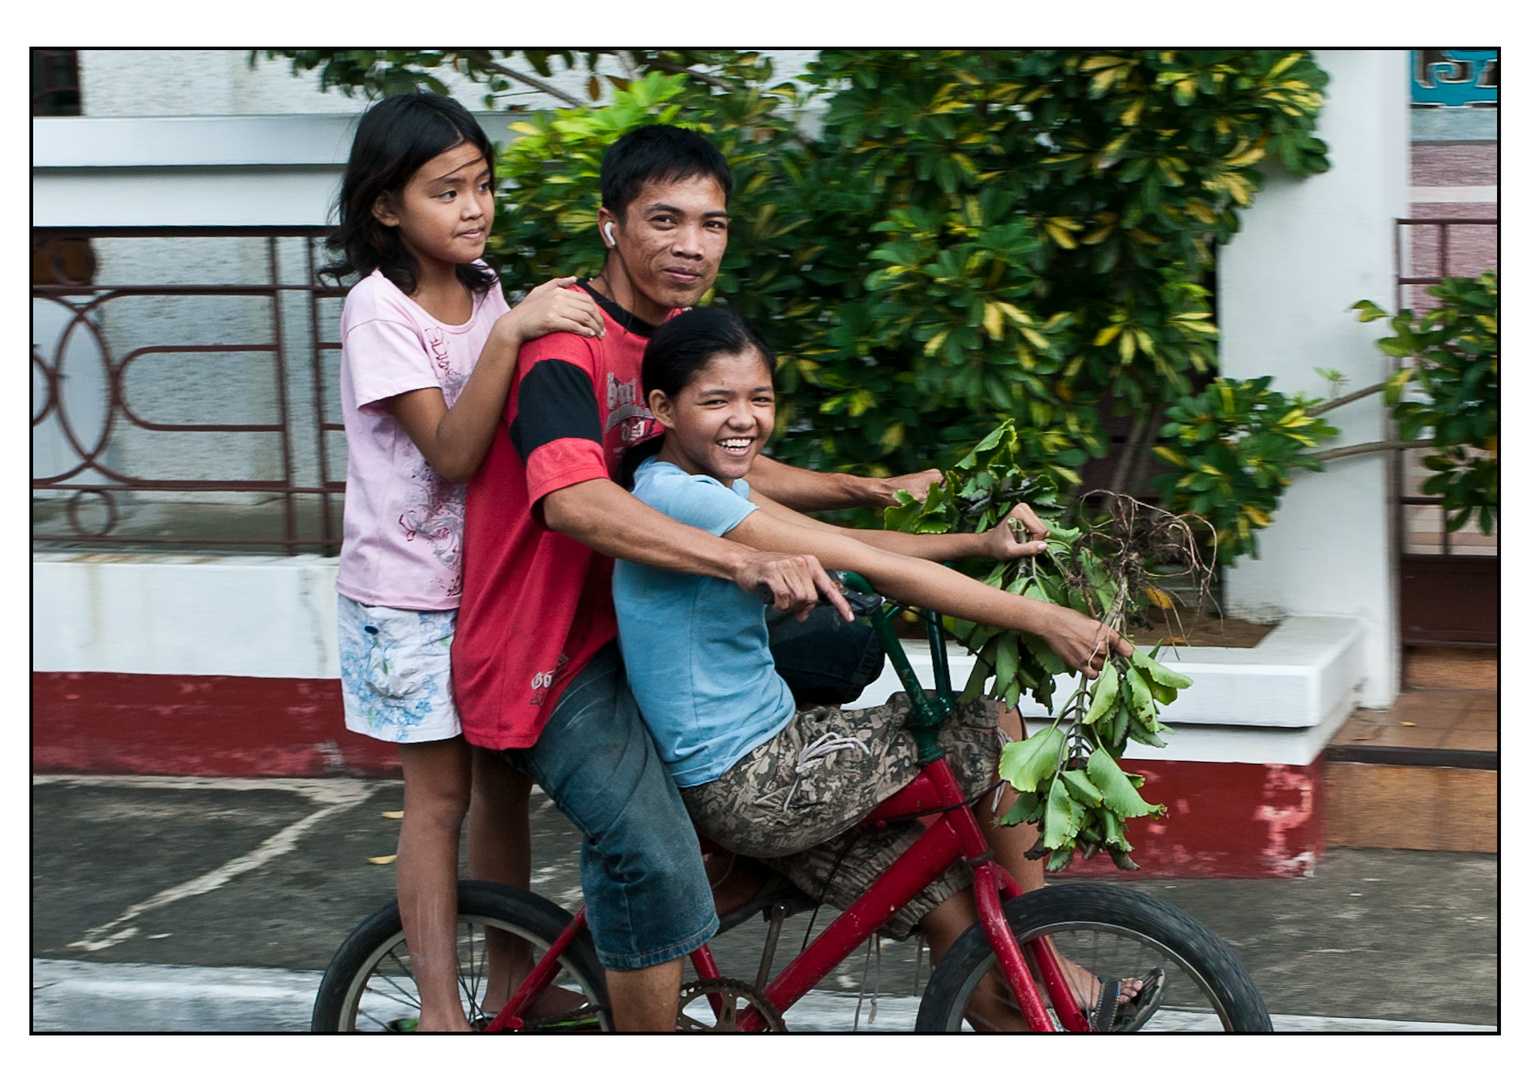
(861, 602)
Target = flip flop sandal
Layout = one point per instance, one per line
(1103, 1014)
(1115, 1017)
(1132, 1015)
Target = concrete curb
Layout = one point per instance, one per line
(72, 995)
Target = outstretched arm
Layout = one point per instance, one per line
(809, 492)
(606, 517)
(1000, 543)
(1083, 643)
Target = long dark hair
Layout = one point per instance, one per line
(395, 138)
(676, 355)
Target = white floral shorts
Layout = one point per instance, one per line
(395, 671)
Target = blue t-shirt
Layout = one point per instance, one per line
(696, 648)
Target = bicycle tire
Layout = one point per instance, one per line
(369, 985)
(1112, 932)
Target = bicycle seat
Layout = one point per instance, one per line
(743, 887)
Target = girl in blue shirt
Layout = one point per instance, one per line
(759, 776)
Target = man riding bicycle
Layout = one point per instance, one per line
(536, 669)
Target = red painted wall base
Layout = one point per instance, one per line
(1223, 819)
(197, 725)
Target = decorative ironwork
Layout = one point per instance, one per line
(97, 468)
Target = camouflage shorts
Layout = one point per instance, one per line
(796, 801)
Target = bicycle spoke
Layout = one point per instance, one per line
(369, 986)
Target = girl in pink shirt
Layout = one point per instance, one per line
(429, 348)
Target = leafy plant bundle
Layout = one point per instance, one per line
(1068, 776)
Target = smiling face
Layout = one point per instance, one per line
(718, 423)
(445, 211)
(667, 250)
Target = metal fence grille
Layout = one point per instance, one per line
(184, 391)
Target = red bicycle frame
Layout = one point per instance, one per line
(952, 835)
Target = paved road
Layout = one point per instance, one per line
(170, 904)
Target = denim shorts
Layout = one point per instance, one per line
(645, 887)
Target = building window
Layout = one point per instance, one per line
(55, 82)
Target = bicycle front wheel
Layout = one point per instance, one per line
(369, 985)
(1101, 932)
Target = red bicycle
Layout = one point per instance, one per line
(1013, 953)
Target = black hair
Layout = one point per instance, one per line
(395, 138)
(679, 351)
(661, 153)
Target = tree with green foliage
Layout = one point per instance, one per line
(934, 240)
(938, 241)
(1447, 396)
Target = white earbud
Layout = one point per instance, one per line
(609, 233)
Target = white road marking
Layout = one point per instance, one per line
(331, 795)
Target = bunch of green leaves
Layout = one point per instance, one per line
(1068, 776)
(976, 494)
(1450, 393)
(1231, 450)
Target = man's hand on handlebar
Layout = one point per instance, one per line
(795, 583)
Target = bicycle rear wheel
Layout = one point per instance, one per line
(1112, 933)
(369, 985)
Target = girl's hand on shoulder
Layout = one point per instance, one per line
(553, 307)
(1003, 540)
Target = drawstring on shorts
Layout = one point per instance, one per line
(813, 752)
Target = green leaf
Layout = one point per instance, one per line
(1081, 788)
(1118, 792)
(1025, 808)
(1105, 692)
(1026, 764)
(1063, 816)
(1158, 673)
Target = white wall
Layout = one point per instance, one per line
(1307, 251)
(256, 616)
(204, 82)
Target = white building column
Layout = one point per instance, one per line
(1307, 251)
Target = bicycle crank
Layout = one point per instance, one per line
(717, 1003)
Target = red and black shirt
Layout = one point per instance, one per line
(536, 605)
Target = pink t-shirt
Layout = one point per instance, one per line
(403, 522)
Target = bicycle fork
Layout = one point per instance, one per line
(540, 977)
(990, 885)
(1011, 957)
